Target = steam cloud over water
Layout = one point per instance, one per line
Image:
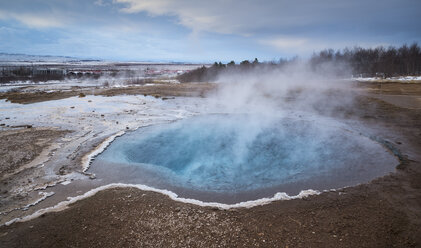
(271, 131)
(235, 153)
(296, 86)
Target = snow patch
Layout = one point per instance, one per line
(391, 79)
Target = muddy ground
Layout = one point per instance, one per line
(18, 147)
(383, 213)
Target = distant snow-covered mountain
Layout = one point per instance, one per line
(25, 59)
(10, 57)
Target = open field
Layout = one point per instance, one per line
(158, 90)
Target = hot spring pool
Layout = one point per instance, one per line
(232, 158)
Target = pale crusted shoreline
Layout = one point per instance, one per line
(248, 204)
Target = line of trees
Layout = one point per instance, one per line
(208, 74)
(357, 62)
(379, 61)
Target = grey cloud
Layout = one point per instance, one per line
(248, 17)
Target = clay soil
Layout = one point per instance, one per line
(383, 213)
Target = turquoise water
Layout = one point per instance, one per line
(239, 153)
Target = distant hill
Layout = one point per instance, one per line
(17, 58)
(14, 57)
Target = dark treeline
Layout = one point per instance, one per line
(22, 75)
(29, 73)
(208, 74)
(356, 62)
(379, 61)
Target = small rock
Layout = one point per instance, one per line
(72, 107)
(62, 170)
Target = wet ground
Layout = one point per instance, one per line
(383, 213)
(50, 142)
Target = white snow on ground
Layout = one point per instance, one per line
(409, 78)
(91, 118)
(403, 79)
(92, 113)
(8, 88)
(68, 84)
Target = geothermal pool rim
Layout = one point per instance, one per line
(279, 196)
(386, 148)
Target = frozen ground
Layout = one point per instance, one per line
(69, 84)
(91, 120)
(406, 79)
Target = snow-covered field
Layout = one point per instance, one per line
(407, 79)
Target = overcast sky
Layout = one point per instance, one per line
(203, 31)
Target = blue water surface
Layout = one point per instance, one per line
(231, 153)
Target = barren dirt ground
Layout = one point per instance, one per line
(23, 145)
(383, 213)
(159, 90)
